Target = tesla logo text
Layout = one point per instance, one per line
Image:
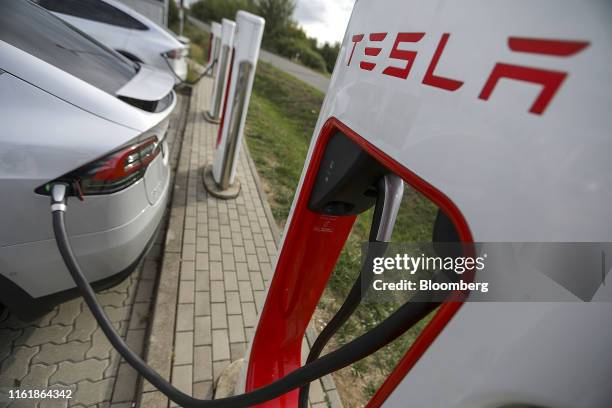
(550, 81)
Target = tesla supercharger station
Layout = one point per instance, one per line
(215, 45)
(506, 129)
(221, 71)
(220, 178)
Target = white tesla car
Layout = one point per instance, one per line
(72, 109)
(126, 31)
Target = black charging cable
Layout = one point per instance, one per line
(198, 79)
(391, 328)
(390, 190)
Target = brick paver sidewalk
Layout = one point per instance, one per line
(217, 262)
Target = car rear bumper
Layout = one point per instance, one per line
(106, 257)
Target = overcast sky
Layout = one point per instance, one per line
(326, 20)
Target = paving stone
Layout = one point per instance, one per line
(242, 272)
(216, 271)
(189, 236)
(202, 304)
(15, 367)
(236, 329)
(54, 403)
(38, 377)
(183, 348)
(202, 261)
(260, 298)
(202, 363)
(54, 353)
(202, 244)
(252, 262)
(182, 378)
(35, 336)
(218, 316)
(249, 314)
(220, 345)
(230, 280)
(203, 333)
(237, 351)
(115, 315)
(70, 373)
(334, 399)
(110, 298)
(135, 340)
(203, 390)
(218, 368)
(186, 292)
(184, 317)
(188, 253)
(187, 270)
(233, 303)
(154, 399)
(246, 295)
(249, 246)
(228, 262)
(214, 252)
(217, 291)
(328, 383)
(257, 281)
(68, 312)
(202, 281)
(316, 393)
(89, 393)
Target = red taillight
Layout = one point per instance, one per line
(174, 54)
(119, 169)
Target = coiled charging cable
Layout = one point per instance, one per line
(185, 82)
(391, 328)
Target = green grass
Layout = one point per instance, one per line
(282, 114)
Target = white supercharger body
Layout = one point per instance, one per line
(215, 43)
(249, 32)
(221, 70)
(500, 112)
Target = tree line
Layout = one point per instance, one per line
(282, 35)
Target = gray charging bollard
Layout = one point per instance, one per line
(221, 71)
(220, 178)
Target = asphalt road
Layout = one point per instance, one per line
(312, 78)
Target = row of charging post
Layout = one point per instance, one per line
(234, 51)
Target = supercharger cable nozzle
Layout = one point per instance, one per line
(384, 333)
(58, 197)
(390, 190)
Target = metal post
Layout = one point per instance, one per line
(220, 178)
(213, 114)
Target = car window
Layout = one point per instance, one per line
(94, 10)
(41, 34)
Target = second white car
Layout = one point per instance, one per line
(126, 31)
